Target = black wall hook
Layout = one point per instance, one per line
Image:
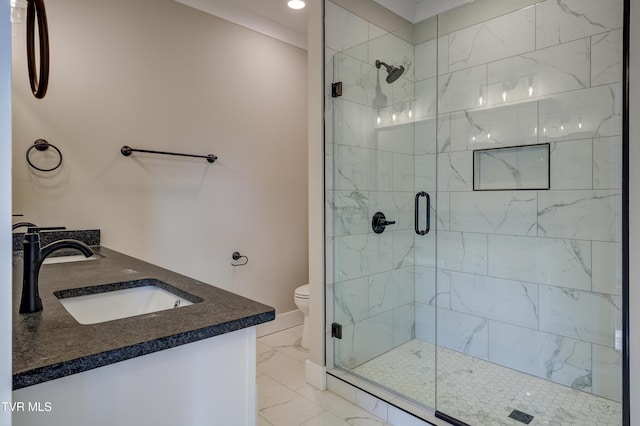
(237, 256)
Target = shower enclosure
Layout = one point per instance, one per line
(474, 194)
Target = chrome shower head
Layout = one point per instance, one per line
(393, 72)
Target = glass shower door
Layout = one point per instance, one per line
(373, 274)
(530, 166)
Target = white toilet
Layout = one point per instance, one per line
(301, 299)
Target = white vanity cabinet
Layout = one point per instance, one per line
(207, 382)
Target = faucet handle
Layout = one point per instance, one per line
(34, 229)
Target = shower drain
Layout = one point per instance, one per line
(521, 417)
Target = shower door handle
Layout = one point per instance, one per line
(417, 213)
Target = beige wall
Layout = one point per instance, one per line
(156, 74)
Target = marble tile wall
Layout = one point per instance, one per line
(524, 278)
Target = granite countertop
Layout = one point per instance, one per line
(51, 344)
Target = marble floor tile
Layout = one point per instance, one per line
(326, 419)
(261, 347)
(367, 421)
(338, 406)
(296, 331)
(271, 392)
(262, 422)
(291, 413)
(284, 398)
(279, 405)
(288, 371)
(286, 343)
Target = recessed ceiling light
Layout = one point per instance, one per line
(296, 4)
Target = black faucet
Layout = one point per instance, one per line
(21, 224)
(33, 258)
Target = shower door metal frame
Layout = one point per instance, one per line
(626, 360)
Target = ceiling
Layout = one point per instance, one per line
(419, 10)
(270, 17)
(275, 19)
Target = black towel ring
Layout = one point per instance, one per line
(237, 256)
(43, 145)
(39, 81)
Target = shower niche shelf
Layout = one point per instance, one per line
(524, 167)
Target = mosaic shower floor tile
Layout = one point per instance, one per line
(484, 394)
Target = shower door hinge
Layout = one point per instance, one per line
(336, 89)
(336, 330)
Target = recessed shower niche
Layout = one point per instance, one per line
(512, 168)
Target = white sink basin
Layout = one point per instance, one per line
(71, 258)
(113, 303)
